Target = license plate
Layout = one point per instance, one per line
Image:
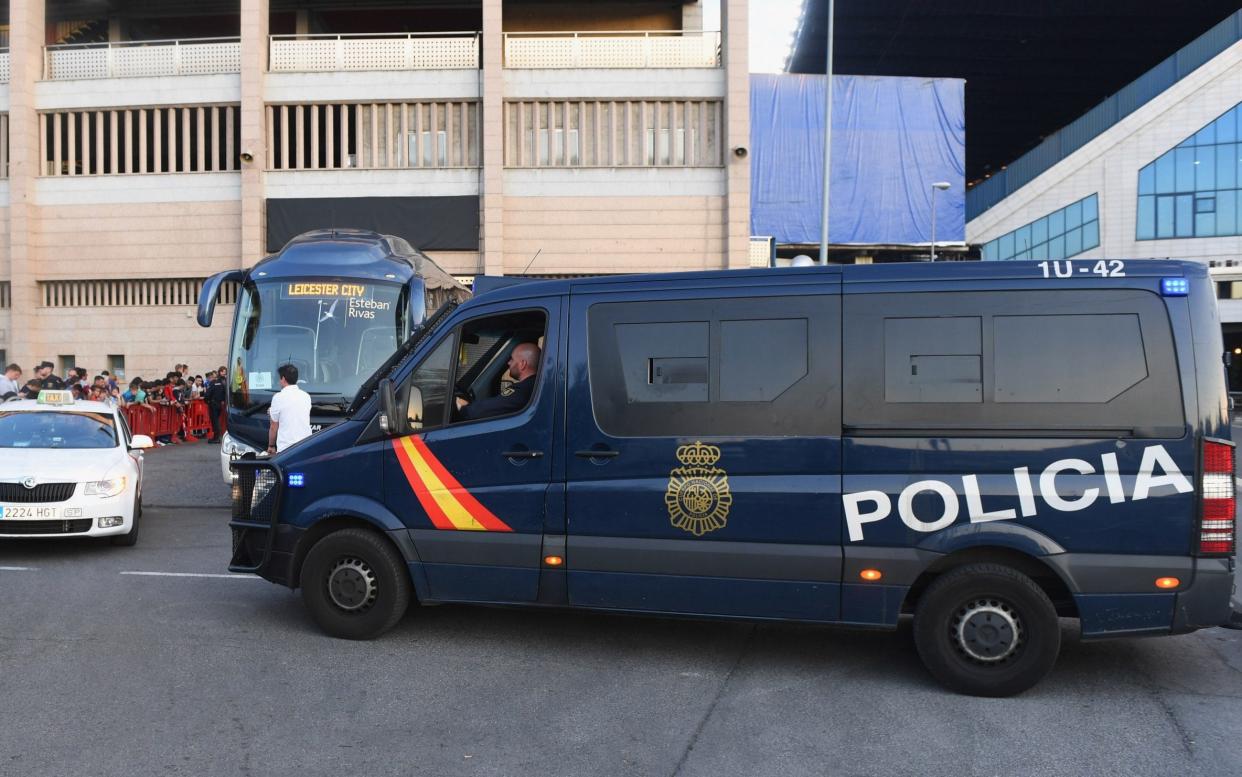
(27, 512)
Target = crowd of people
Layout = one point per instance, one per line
(177, 388)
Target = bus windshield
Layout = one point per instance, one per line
(335, 332)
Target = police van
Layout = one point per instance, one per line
(987, 447)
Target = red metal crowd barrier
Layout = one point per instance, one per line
(141, 419)
(169, 421)
(197, 419)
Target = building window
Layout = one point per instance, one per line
(126, 141)
(613, 133)
(1193, 190)
(1059, 235)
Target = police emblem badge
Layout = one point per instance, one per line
(698, 496)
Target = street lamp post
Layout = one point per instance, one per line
(823, 229)
(941, 185)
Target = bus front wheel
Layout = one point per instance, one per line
(355, 584)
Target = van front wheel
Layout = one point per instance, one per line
(355, 584)
(986, 630)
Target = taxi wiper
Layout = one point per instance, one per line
(394, 362)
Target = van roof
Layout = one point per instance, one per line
(872, 273)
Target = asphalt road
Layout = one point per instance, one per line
(107, 670)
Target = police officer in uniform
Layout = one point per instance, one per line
(523, 364)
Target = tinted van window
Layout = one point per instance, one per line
(763, 366)
(1012, 362)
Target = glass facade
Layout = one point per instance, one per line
(1059, 235)
(1193, 190)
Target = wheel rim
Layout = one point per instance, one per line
(352, 585)
(987, 631)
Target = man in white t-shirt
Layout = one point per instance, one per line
(290, 412)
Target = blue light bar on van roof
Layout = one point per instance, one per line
(297, 480)
(1174, 287)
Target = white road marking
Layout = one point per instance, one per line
(19, 569)
(192, 574)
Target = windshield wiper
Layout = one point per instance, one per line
(394, 362)
(256, 408)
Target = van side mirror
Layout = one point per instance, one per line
(389, 421)
(414, 409)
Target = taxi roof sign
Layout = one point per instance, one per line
(55, 397)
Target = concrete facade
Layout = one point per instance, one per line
(96, 233)
(1109, 166)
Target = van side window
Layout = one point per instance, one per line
(484, 377)
(1042, 358)
(764, 366)
(472, 363)
(431, 379)
(665, 362)
(1012, 362)
(933, 359)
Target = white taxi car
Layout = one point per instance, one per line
(69, 469)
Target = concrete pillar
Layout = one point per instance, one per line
(26, 37)
(737, 131)
(692, 16)
(491, 200)
(116, 29)
(254, 45)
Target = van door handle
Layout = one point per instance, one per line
(522, 454)
(605, 454)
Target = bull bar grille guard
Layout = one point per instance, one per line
(251, 516)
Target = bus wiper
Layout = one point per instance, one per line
(256, 408)
(392, 363)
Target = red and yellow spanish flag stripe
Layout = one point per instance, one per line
(447, 504)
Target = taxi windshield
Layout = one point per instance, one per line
(56, 430)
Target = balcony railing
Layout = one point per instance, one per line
(614, 49)
(136, 59)
(4, 66)
(378, 51)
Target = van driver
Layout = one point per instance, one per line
(523, 364)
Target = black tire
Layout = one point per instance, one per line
(986, 630)
(130, 538)
(355, 584)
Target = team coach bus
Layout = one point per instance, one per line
(987, 447)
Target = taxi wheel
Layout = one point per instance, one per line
(130, 539)
(355, 584)
(987, 630)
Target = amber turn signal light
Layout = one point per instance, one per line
(553, 561)
(871, 575)
(1167, 582)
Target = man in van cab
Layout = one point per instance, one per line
(523, 364)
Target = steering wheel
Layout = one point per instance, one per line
(465, 393)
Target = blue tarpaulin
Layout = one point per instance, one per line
(892, 138)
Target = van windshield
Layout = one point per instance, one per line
(335, 332)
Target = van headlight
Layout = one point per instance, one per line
(110, 487)
(231, 446)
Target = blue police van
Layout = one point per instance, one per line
(987, 447)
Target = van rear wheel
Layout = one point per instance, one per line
(986, 630)
(355, 584)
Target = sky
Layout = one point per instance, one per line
(772, 25)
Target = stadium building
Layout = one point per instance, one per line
(146, 144)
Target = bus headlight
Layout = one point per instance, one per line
(110, 487)
(232, 447)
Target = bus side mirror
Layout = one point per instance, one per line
(389, 421)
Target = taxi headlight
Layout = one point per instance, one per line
(110, 487)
